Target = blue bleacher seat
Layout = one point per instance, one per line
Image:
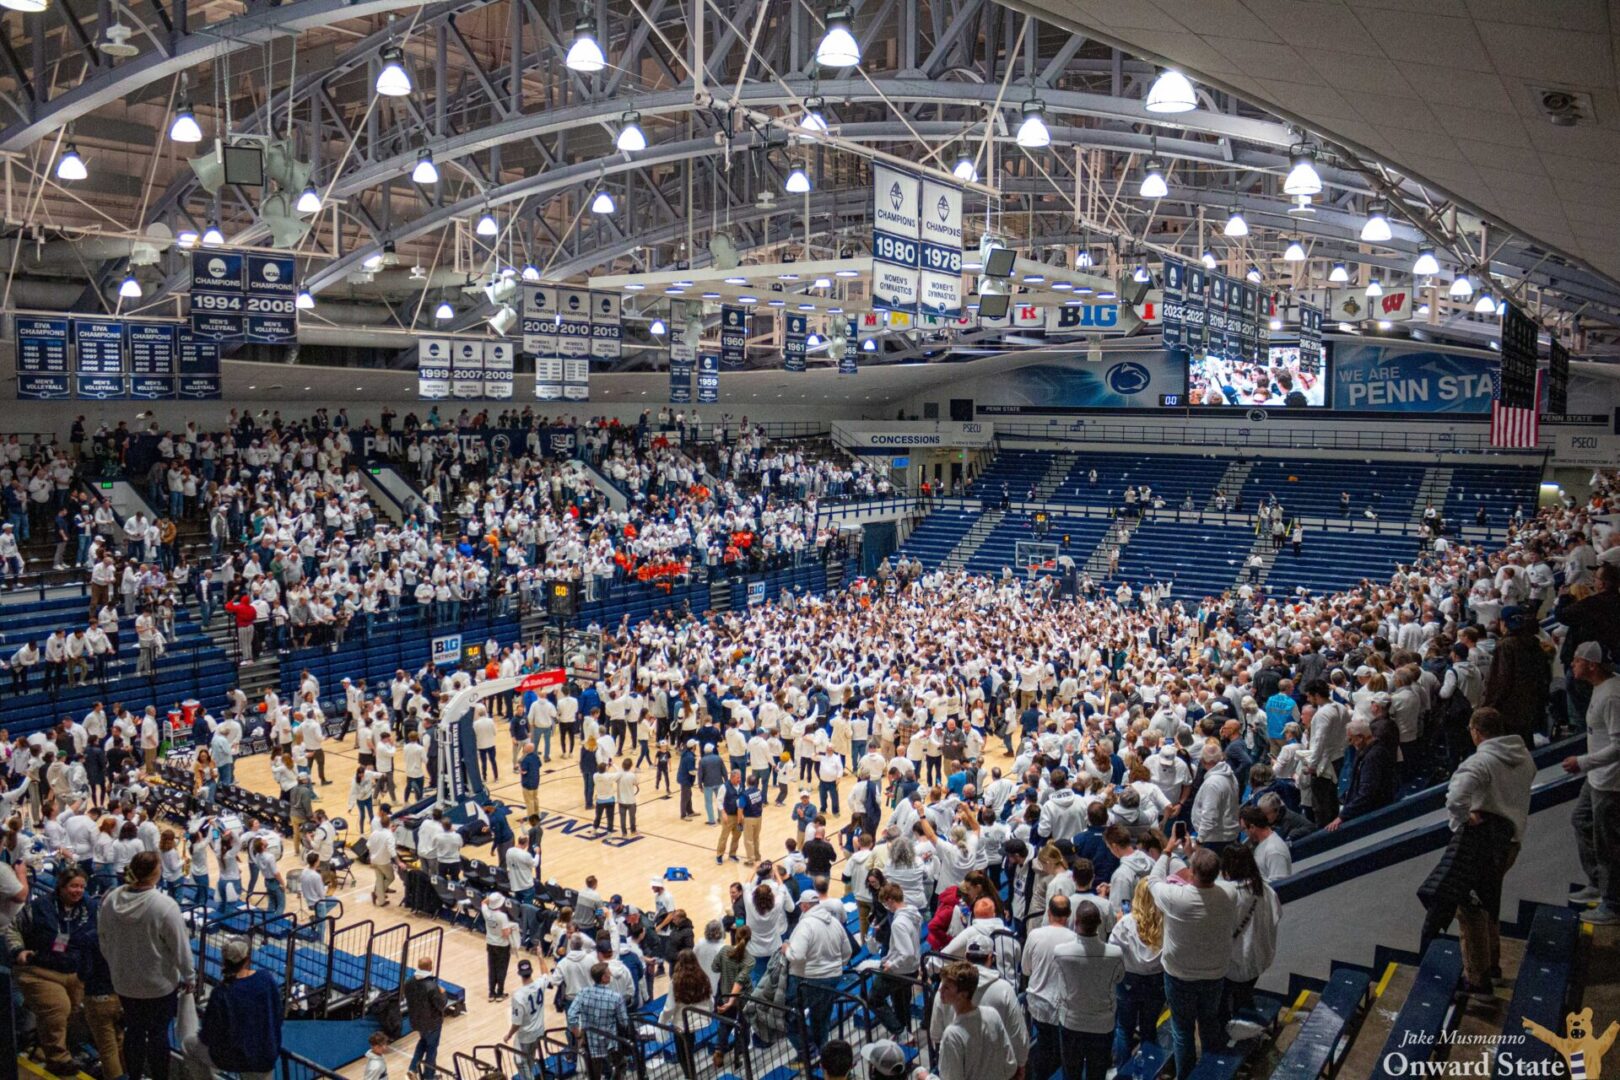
(1326, 1029)
(1542, 988)
(1429, 1002)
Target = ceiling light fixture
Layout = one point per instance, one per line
(1208, 259)
(306, 299)
(392, 78)
(28, 7)
(1140, 275)
(657, 329)
(1153, 185)
(1295, 252)
(1339, 274)
(129, 288)
(425, 172)
(486, 225)
(184, 127)
(1303, 178)
(1032, 133)
(1376, 230)
(1462, 287)
(309, 201)
(1083, 261)
(1375, 288)
(1235, 224)
(631, 137)
(1254, 275)
(70, 166)
(532, 273)
(444, 312)
(1275, 323)
(1172, 92)
(585, 55)
(965, 170)
(798, 181)
(814, 120)
(838, 48)
(1485, 305)
(603, 203)
(211, 236)
(186, 238)
(1426, 264)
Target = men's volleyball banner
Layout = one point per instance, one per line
(433, 368)
(548, 378)
(733, 337)
(576, 378)
(153, 360)
(794, 343)
(940, 255)
(99, 370)
(498, 367)
(467, 370)
(1175, 277)
(897, 239)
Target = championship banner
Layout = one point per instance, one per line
(42, 358)
(733, 337)
(1175, 282)
(467, 370)
(218, 295)
(1215, 321)
(849, 363)
(1310, 338)
(99, 372)
(896, 239)
(272, 300)
(498, 367)
(1195, 311)
(433, 369)
(198, 363)
(576, 378)
(607, 328)
(152, 361)
(1027, 315)
(573, 323)
(940, 257)
(1262, 325)
(540, 321)
(793, 343)
(548, 378)
(708, 379)
(682, 358)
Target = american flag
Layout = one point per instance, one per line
(1514, 428)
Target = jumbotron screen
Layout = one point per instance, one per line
(1283, 381)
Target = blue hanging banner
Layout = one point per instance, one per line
(1174, 308)
(848, 364)
(272, 299)
(152, 361)
(42, 358)
(733, 336)
(793, 343)
(218, 296)
(708, 379)
(199, 368)
(99, 373)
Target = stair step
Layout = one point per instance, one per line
(1361, 1059)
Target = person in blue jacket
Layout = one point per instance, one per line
(686, 776)
(241, 1025)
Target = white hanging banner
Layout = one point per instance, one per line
(498, 368)
(576, 379)
(896, 238)
(1027, 315)
(940, 256)
(433, 369)
(540, 320)
(467, 370)
(548, 378)
(573, 323)
(607, 330)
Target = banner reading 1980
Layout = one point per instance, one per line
(896, 239)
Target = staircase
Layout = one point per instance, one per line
(1434, 488)
(835, 576)
(1117, 536)
(1268, 558)
(1055, 474)
(1231, 482)
(255, 676)
(969, 545)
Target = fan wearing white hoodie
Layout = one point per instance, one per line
(1063, 816)
(1215, 807)
(817, 951)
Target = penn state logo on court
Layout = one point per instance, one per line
(1128, 378)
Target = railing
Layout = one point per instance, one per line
(1316, 437)
(892, 505)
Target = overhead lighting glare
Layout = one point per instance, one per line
(392, 78)
(1339, 274)
(1083, 261)
(812, 341)
(736, 281)
(444, 312)
(1376, 230)
(798, 181)
(1485, 305)
(129, 288)
(487, 225)
(1140, 275)
(1295, 252)
(657, 329)
(1375, 288)
(306, 300)
(184, 127)
(603, 203)
(1254, 275)
(70, 166)
(1426, 265)
(1275, 323)
(1172, 92)
(585, 55)
(309, 201)
(1153, 185)
(846, 273)
(425, 172)
(814, 120)
(1462, 287)
(631, 137)
(1235, 224)
(1303, 178)
(186, 238)
(838, 48)
(1032, 133)
(211, 236)
(531, 273)
(1208, 259)
(965, 170)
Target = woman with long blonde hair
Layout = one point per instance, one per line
(1139, 997)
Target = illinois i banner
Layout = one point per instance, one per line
(433, 369)
(896, 239)
(940, 256)
(498, 370)
(607, 332)
(467, 370)
(793, 343)
(733, 336)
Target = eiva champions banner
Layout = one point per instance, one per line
(1377, 378)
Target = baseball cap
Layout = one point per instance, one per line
(809, 896)
(977, 951)
(495, 900)
(235, 953)
(525, 969)
(657, 882)
(885, 1057)
(1591, 652)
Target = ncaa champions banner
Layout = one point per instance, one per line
(940, 256)
(793, 343)
(540, 321)
(708, 379)
(607, 331)
(1175, 276)
(467, 370)
(897, 239)
(433, 369)
(1379, 378)
(733, 336)
(573, 322)
(498, 370)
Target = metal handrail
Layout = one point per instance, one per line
(1315, 437)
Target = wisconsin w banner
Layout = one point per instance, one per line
(1514, 427)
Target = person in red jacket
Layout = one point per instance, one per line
(244, 611)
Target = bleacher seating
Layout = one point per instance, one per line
(1501, 489)
(1312, 487)
(937, 535)
(1173, 476)
(1019, 470)
(1330, 561)
(1196, 560)
(1000, 548)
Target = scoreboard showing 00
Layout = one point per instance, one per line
(895, 249)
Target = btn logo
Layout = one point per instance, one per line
(1128, 378)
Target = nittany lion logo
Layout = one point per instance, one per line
(1128, 378)
(216, 268)
(896, 196)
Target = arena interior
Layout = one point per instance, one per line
(1127, 493)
